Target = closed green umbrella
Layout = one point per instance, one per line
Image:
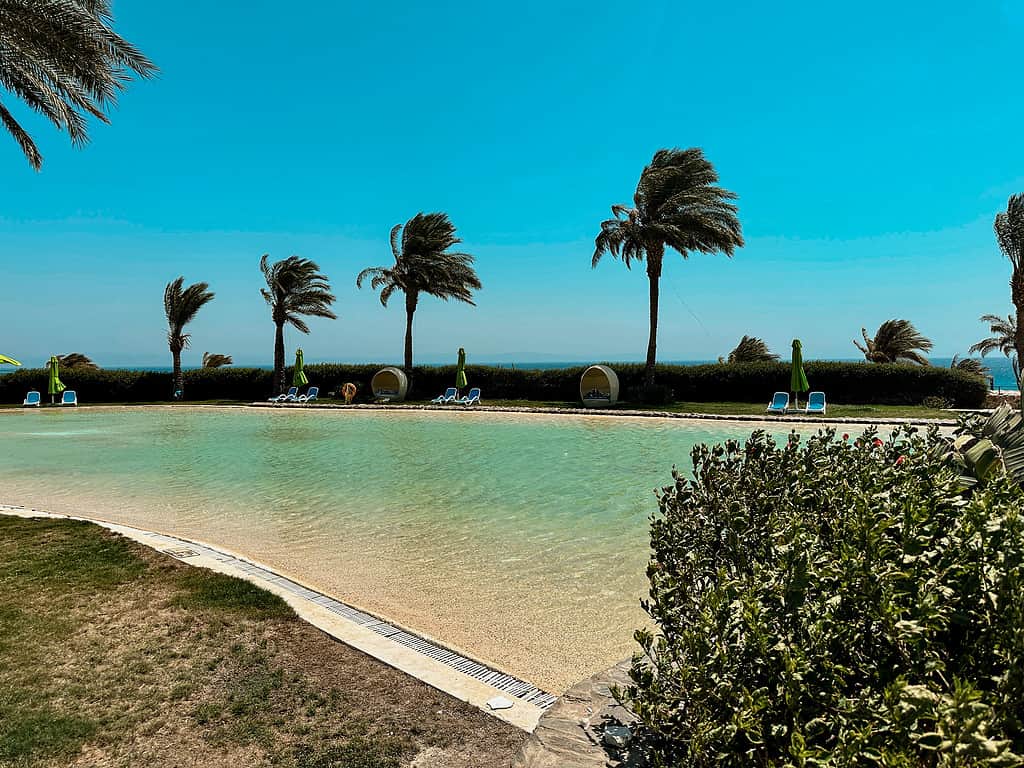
(299, 377)
(5, 360)
(56, 386)
(797, 377)
(460, 371)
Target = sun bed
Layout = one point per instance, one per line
(291, 394)
(779, 403)
(32, 400)
(449, 396)
(310, 395)
(70, 397)
(815, 403)
(471, 398)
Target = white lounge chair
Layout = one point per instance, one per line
(310, 395)
(815, 403)
(32, 400)
(291, 394)
(449, 396)
(779, 403)
(471, 398)
(70, 397)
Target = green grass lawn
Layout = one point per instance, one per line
(112, 654)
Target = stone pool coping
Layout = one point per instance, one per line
(548, 410)
(427, 660)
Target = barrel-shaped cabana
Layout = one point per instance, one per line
(599, 386)
(389, 384)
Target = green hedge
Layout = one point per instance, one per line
(862, 383)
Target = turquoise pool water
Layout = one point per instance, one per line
(521, 539)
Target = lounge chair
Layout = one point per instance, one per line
(31, 400)
(779, 403)
(70, 397)
(310, 395)
(449, 396)
(815, 403)
(471, 398)
(291, 394)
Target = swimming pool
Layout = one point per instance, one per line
(518, 538)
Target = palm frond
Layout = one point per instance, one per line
(181, 305)
(214, 360)
(895, 341)
(76, 360)
(752, 350)
(296, 288)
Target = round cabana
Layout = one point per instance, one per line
(599, 386)
(389, 384)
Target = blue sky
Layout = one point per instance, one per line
(871, 146)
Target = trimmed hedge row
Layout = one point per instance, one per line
(861, 383)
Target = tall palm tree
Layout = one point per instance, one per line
(752, 350)
(181, 305)
(213, 360)
(63, 59)
(895, 341)
(1009, 227)
(1003, 338)
(76, 360)
(423, 264)
(295, 289)
(677, 205)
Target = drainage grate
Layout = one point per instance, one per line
(505, 683)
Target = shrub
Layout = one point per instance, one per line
(833, 604)
(865, 383)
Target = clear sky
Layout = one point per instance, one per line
(871, 144)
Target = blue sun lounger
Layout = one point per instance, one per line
(815, 403)
(310, 395)
(31, 400)
(70, 397)
(449, 396)
(289, 395)
(471, 398)
(779, 403)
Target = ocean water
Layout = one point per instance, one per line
(521, 539)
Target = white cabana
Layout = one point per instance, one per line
(389, 384)
(599, 386)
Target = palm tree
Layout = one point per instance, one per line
(751, 350)
(895, 341)
(969, 365)
(213, 360)
(678, 206)
(76, 360)
(181, 305)
(63, 59)
(1003, 338)
(295, 288)
(1009, 226)
(423, 264)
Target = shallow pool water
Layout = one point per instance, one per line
(521, 539)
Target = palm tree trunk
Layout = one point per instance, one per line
(654, 277)
(178, 377)
(1017, 295)
(411, 299)
(279, 358)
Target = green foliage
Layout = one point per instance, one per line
(751, 350)
(833, 603)
(895, 341)
(888, 384)
(28, 736)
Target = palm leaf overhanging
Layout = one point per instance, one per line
(423, 264)
(181, 305)
(1003, 338)
(1009, 228)
(752, 350)
(64, 61)
(895, 341)
(677, 205)
(295, 289)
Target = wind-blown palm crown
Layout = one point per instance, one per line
(677, 205)
(181, 305)
(423, 264)
(1003, 338)
(63, 59)
(76, 360)
(295, 289)
(214, 360)
(969, 365)
(752, 350)
(1009, 227)
(895, 341)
